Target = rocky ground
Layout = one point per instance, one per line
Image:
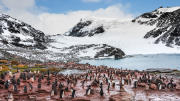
(101, 84)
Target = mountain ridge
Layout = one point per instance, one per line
(150, 33)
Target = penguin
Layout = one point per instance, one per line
(25, 89)
(34, 72)
(18, 81)
(48, 83)
(6, 85)
(147, 87)
(159, 86)
(15, 88)
(39, 79)
(52, 93)
(10, 74)
(10, 97)
(73, 93)
(107, 80)
(61, 93)
(122, 81)
(88, 91)
(32, 79)
(34, 76)
(55, 91)
(101, 85)
(101, 92)
(31, 87)
(67, 89)
(60, 85)
(135, 84)
(39, 85)
(113, 84)
(90, 78)
(108, 86)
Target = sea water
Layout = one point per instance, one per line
(140, 62)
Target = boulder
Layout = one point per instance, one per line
(153, 87)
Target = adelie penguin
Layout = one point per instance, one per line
(135, 84)
(88, 90)
(24, 77)
(32, 79)
(30, 87)
(90, 78)
(107, 80)
(101, 85)
(25, 89)
(121, 87)
(60, 85)
(73, 93)
(48, 82)
(55, 91)
(6, 84)
(34, 76)
(55, 83)
(39, 85)
(159, 86)
(10, 97)
(101, 92)
(122, 82)
(113, 84)
(18, 81)
(52, 93)
(39, 79)
(61, 93)
(108, 87)
(15, 88)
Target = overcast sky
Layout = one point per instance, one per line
(58, 16)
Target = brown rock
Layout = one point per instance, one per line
(141, 84)
(178, 88)
(153, 87)
(123, 96)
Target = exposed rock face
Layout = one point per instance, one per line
(83, 29)
(110, 51)
(20, 34)
(98, 51)
(167, 22)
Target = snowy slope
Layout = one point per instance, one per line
(19, 34)
(92, 26)
(125, 35)
(167, 30)
(151, 18)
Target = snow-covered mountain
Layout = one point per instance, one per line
(87, 27)
(19, 34)
(18, 39)
(151, 33)
(167, 22)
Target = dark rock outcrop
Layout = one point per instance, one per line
(102, 50)
(20, 34)
(167, 30)
(110, 51)
(81, 30)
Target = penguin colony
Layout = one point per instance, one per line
(99, 82)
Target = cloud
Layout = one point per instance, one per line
(91, 0)
(56, 23)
